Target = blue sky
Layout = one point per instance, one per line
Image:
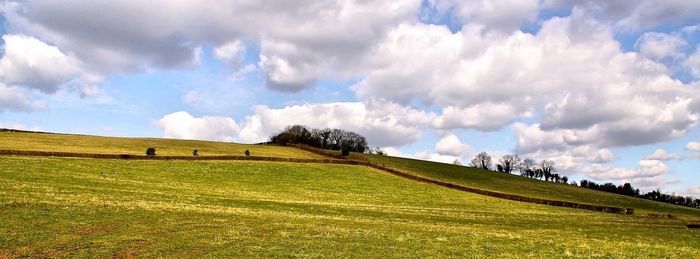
(597, 88)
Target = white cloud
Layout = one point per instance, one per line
(383, 124)
(635, 14)
(483, 117)
(16, 99)
(692, 63)
(451, 145)
(646, 169)
(662, 155)
(232, 52)
(182, 125)
(31, 63)
(693, 191)
(486, 81)
(503, 15)
(693, 146)
(423, 155)
(658, 46)
(300, 40)
(18, 126)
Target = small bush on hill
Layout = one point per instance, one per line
(150, 151)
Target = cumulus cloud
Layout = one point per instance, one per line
(182, 125)
(483, 117)
(16, 99)
(451, 145)
(645, 169)
(326, 37)
(634, 14)
(422, 155)
(692, 63)
(661, 154)
(693, 146)
(231, 52)
(502, 15)
(29, 62)
(383, 124)
(486, 81)
(658, 46)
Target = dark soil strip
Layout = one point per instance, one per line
(333, 160)
(694, 226)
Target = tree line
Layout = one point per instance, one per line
(333, 139)
(543, 170)
(628, 190)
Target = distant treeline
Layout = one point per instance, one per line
(333, 139)
(655, 195)
(545, 170)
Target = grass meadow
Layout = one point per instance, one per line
(137, 146)
(513, 184)
(68, 207)
(72, 207)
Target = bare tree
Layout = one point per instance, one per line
(547, 167)
(481, 160)
(457, 162)
(508, 163)
(527, 167)
(325, 135)
(336, 136)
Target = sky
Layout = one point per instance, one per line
(608, 90)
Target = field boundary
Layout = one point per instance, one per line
(607, 209)
(333, 160)
(157, 157)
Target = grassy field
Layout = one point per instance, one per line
(137, 146)
(512, 184)
(78, 207)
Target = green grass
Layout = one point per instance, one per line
(512, 184)
(64, 207)
(137, 146)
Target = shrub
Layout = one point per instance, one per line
(247, 152)
(195, 152)
(150, 151)
(345, 151)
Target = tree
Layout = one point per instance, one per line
(457, 162)
(565, 180)
(150, 151)
(325, 137)
(336, 136)
(547, 167)
(481, 160)
(527, 167)
(509, 163)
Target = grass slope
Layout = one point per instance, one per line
(137, 146)
(78, 207)
(512, 184)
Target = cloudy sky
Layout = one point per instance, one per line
(609, 90)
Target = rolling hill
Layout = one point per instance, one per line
(76, 207)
